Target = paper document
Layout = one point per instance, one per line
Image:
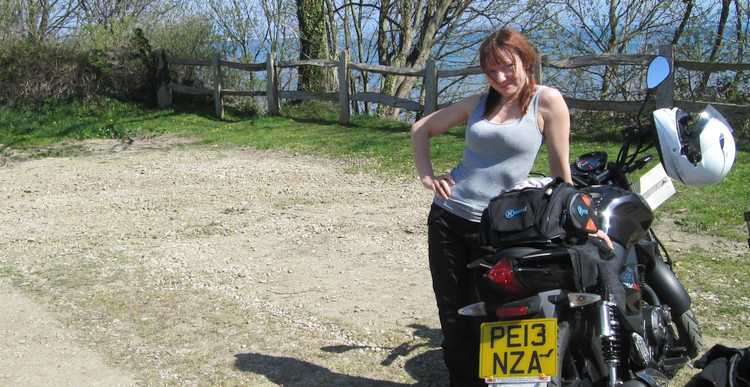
(655, 186)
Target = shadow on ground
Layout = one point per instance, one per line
(426, 368)
(287, 371)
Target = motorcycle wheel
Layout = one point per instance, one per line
(690, 333)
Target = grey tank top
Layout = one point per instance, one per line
(496, 157)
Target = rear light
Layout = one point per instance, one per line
(511, 311)
(502, 274)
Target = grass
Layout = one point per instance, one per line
(716, 209)
(719, 290)
(377, 145)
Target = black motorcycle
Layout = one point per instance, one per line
(542, 330)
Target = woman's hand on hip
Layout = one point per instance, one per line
(441, 184)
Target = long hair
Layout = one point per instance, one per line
(509, 41)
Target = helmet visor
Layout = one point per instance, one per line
(691, 129)
(704, 117)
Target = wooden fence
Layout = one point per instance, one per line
(664, 95)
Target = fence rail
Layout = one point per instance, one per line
(182, 89)
(415, 72)
(306, 95)
(431, 75)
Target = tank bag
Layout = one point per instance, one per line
(553, 212)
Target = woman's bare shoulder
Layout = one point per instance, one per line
(551, 99)
(465, 106)
(550, 94)
(471, 101)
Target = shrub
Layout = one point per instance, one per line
(129, 70)
(34, 73)
(191, 38)
(243, 106)
(123, 60)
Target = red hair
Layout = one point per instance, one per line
(509, 41)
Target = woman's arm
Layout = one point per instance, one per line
(430, 126)
(555, 120)
(556, 124)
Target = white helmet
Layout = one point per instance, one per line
(695, 150)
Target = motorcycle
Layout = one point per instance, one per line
(541, 330)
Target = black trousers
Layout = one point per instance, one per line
(453, 242)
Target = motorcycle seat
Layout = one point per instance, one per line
(527, 253)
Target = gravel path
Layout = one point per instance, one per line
(38, 351)
(204, 266)
(161, 264)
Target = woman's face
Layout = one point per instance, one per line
(505, 77)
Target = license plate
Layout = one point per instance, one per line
(518, 350)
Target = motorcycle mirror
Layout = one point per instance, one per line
(658, 71)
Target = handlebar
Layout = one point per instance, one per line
(638, 164)
(640, 134)
(614, 173)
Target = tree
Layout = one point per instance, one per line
(313, 44)
(611, 27)
(716, 47)
(358, 17)
(239, 23)
(279, 16)
(411, 31)
(108, 13)
(10, 19)
(684, 21)
(41, 19)
(741, 31)
(406, 34)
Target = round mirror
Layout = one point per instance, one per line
(658, 71)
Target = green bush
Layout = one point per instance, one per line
(190, 38)
(242, 106)
(34, 73)
(123, 58)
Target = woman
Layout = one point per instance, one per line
(504, 131)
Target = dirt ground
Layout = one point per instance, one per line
(164, 263)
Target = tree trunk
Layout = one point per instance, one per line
(357, 19)
(332, 30)
(313, 45)
(347, 47)
(741, 41)
(683, 22)
(385, 53)
(717, 44)
(416, 46)
(610, 73)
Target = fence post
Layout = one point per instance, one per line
(665, 91)
(218, 103)
(430, 87)
(163, 93)
(538, 70)
(344, 87)
(272, 89)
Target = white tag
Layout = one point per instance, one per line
(655, 186)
